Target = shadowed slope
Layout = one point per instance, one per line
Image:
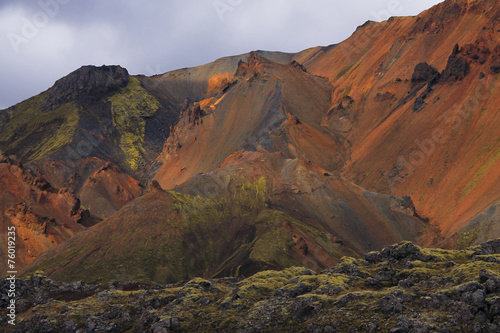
(167, 237)
(359, 219)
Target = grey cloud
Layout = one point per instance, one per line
(158, 36)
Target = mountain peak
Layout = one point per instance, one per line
(86, 84)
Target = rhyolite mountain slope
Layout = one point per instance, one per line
(44, 216)
(433, 137)
(413, 110)
(390, 135)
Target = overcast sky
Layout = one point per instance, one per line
(41, 41)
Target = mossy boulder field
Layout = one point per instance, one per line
(403, 288)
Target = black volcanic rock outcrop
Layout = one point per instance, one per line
(87, 84)
(495, 68)
(456, 68)
(422, 72)
(298, 65)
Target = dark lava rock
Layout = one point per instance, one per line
(404, 251)
(304, 309)
(456, 68)
(492, 285)
(405, 325)
(429, 297)
(195, 114)
(431, 81)
(299, 290)
(495, 68)
(345, 266)
(404, 204)
(435, 301)
(95, 324)
(422, 72)
(385, 274)
(407, 202)
(145, 321)
(485, 50)
(392, 303)
(491, 247)
(298, 65)
(37, 323)
(155, 185)
(494, 306)
(373, 283)
(419, 103)
(87, 84)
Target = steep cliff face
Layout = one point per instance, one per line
(87, 84)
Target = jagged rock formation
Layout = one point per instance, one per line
(44, 216)
(456, 68)
(87, 84)
(403, 288)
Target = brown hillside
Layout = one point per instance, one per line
(43, 216)
(445, 154)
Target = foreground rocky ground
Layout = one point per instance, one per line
(403, 288)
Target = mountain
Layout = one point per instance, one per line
(424, 114)
(268, 160)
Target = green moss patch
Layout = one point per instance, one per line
(129, 107)
(33, 133)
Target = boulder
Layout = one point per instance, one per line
(422, 72)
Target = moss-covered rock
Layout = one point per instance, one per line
(449, 291)
(32, 133)
(129, 107)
